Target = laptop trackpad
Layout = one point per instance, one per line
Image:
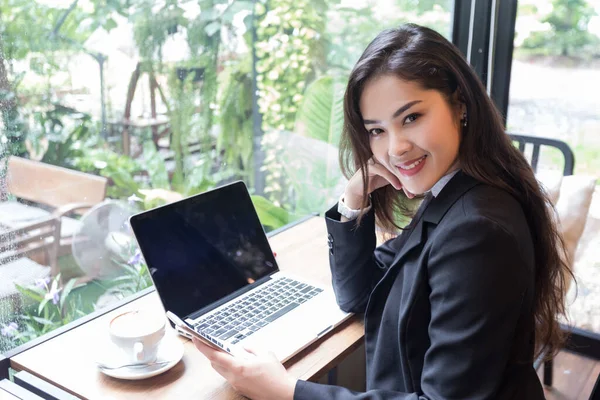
(297, 329)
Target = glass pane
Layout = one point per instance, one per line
(126, 105)
(554, 93)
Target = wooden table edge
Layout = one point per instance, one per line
(18, 367)
(321, 371)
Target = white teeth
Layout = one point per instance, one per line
(411, 166)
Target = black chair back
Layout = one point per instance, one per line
(538, 142)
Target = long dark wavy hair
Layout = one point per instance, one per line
(421, 55)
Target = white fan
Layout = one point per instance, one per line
(104, 239)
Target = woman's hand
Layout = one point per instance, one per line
(258, 376)
(379, 176)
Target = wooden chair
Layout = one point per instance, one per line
(46, 190)
(28, 253)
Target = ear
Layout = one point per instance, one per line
(460, 109)
(459, 104)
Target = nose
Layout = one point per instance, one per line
(398, 144)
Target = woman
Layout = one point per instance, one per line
(459, 304)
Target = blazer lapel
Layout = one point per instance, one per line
(434, 211)
(454, 190)
(414, 235)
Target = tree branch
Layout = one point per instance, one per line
(63, 18)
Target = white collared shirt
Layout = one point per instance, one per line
(437, 188)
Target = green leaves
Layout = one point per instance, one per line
(213, 28)
(236, 137)
(123, 179)
(33, 294)
(54, 304)
(289, 48)
(42, 305)
(234, 8)
(110, 24)
(269, 214)
(322, 112)
(569, 34)
(66, 291)
(155, 166)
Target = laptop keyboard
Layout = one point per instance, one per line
(245, 316)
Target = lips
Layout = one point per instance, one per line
(411, 164)
(412, 167)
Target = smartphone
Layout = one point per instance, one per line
(206, 339)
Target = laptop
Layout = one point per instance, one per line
(212, 266)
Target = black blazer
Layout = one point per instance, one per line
(448, 304)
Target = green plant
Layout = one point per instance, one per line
(270, 215)
(569, 33)
(37, 32)
(422, 6)
(276, 181)
(206, 50)
(64, 132)
(235, 140)
(181, 114)
(204, 42)
(289, 48)
(321, 115)
(12, 136)
(151, 27)
(120, 169)
(199, 175)
(309, 169)
(350, 31)
(134, 277)
(54, 305)
(312, 171)
(191, 103)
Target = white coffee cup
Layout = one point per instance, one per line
(137, 333)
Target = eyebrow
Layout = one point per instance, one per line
(396, 113)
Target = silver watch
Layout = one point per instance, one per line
(348, 212)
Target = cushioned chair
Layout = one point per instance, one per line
(571, 196)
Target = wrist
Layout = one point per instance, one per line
(352, 201)
(349, 213)
(291, 388)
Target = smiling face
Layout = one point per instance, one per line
(413, 132)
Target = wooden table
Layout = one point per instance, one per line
(66, 360)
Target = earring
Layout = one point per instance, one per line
(464, 120)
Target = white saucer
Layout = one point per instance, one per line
(170, 348)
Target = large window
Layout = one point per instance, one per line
(554, 93)
(146, 102)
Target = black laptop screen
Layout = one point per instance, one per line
(203, 248)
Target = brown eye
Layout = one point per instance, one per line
(375, 131)
(411, 118)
